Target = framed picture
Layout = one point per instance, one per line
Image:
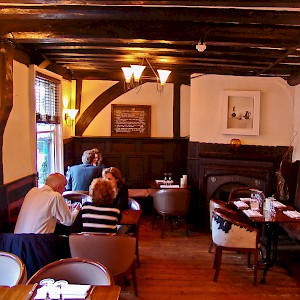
(240, 112)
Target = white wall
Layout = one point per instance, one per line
(161, 107)
(276, 111)
(19, 136)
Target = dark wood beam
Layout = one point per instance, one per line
(6, 92)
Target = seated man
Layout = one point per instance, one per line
(44, 207)
(80, 176)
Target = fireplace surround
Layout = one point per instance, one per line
(214, 170)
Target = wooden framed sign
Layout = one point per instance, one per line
(131, 120)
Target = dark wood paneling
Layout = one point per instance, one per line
(12, 196)
(139, 159)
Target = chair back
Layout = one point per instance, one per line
(246, 192)
(12, 269)
(75, 271)
(215, 203)
(77, 196)
(231, 233)
(173, 202)
(117, 253)
(133, 204)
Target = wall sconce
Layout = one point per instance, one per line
(70, 115)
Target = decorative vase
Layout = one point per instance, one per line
(235, 144)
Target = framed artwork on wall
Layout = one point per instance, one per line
(240, 112)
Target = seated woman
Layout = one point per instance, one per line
(100, 216)
(115, 176)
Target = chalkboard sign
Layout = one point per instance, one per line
(131, 120)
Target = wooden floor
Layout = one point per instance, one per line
(178, 267)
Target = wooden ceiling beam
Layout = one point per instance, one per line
(153, 14)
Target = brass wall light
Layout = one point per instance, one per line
(70, 115)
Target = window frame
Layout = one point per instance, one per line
(58, 139)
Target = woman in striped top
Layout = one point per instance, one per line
(98, 216)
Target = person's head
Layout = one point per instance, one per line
(57, 182)
(114, 175)
(98, 157)
(88, 157)
(102, 192)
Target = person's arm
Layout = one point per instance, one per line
(61, 211)
(122, 198)
(76, 227)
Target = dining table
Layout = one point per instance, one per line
(268, 220)
(26, 292)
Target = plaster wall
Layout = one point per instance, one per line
(276, 109)
(19, 142)
(161, 107)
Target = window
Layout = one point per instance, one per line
(47, 95)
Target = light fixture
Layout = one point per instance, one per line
(201, 46)
(163, 76)
(134, 72)
(128, 71)
(70, 115)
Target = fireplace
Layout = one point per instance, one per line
(214, 170)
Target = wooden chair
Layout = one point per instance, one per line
(171, 203)
(134, 205)
(75, 271)
(231, 235)
(117, 253)
(12, 269)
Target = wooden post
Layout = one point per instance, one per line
(6, 91)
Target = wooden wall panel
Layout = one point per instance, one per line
(139, 159)
(12, 196)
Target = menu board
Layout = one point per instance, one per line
(131, 120)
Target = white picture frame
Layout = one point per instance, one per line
(240, 112)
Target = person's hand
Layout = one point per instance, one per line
(76, 205)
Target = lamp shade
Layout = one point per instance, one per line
(71, 113)
(127, 73)
(137, 71)
(163, 76)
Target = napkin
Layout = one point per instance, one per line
(252, 213)
(278, 204)
(245, 199)
(292, 214)
(69, 291)
(170, 186)
(241, 204)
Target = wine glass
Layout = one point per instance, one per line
(165, 178)
(170, 178)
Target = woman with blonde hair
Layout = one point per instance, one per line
(115, 176)
(100, 215)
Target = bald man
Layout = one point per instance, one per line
(44, 207)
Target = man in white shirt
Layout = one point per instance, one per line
(44, 207)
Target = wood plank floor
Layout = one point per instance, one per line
(178, 267)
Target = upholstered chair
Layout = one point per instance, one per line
(75, 271)
(12, 269)
(232, 235)
(171, 203)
